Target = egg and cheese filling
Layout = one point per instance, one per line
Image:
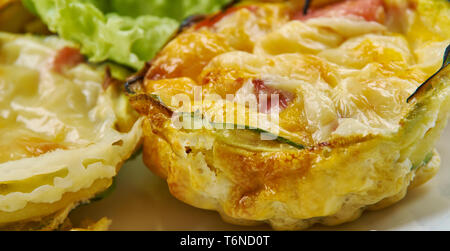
(43, 110)
(348, 139)
(61, 128)
(341, 70)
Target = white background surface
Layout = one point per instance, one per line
(142, 201)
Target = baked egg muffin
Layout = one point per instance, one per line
(66, 128)
(268, 112)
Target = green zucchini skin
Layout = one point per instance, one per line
(259, 131)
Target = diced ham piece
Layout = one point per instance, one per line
(370, 10)
(283, 97)
(67, 57)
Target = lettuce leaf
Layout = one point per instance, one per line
(175, 9)
(129, 32)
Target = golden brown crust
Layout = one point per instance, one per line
(250, 197)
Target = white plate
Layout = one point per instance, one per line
(142, 201)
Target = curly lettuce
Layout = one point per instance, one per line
(129, 32)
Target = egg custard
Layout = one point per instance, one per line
(351, 129)
(64, 131)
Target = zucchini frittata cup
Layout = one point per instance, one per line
(354, 130)
(65, 130)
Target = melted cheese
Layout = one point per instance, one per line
(59, 127)
(348, 75)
